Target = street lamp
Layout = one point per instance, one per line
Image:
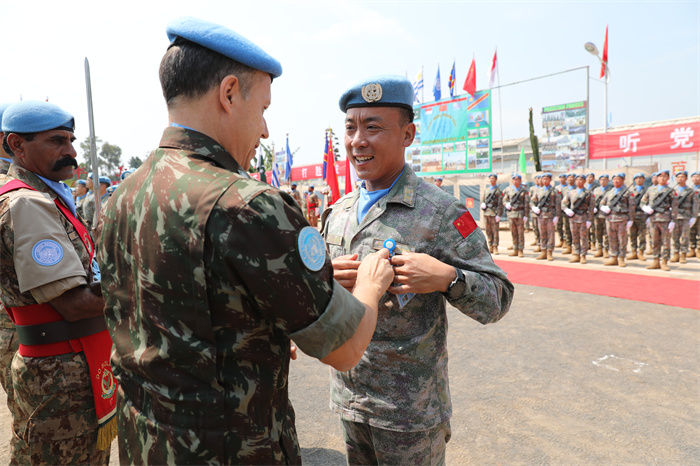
(593, 50)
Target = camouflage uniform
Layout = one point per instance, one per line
(600, 228)
(638, 230)
(694, 232)
(622, 205)
(519, 202)
(55, 421)
(562, 189)
(492, 196)
(297, 197)
(533, 219)
(401, 382)
(687, 208)
(549, 208)
(80, 205)
(4, 164)
(204, 286)
(663, 213)
(88, 209)
(581, 202)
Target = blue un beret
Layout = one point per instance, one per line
(494, 175)
(35, 116)
(604, 176)
(668, 172)
(639, 175)
(126, 173)
(3, 107)
(81, 182)
(516, 175)
(620, 175)
(682, 172)
(695, 173)
(224, 41)
(563, 175)
(590, 174)
(581, 175)
(655, 174)
(105, 180)
(546, 174)
(381, 91)
(538, 176)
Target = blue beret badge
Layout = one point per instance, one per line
(372, 92)
(47, 252)
(312, 249)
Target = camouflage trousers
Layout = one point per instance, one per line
(617, 235)
(8, 347)
(535, 228)
(564, 229)
(546, 226)
(491, 229)
(601, 233)
(58, 424)
(579, 237)
(638, 235)
(681, 236)
(517, 230)
(660, 240)
(694, 235)
(365, 444)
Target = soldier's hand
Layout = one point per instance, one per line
(345, 270)
(416, 272)
(671, 226)
(292, 350)
(375, 271)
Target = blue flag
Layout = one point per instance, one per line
(275, 176)
(451, 81)
(437, 90)
(325, 158)
(288, 168)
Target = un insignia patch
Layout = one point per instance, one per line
(312, 249)
(47, 252)
(372, 92)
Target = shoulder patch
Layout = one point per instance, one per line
(312, 249)
(465, 224)
(47, 252)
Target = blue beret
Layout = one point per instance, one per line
(538, 176)
(224, 41)
(581, 175)
(682, 172)
(655, 174)
(516, 175)
(81, 182)
(604, 176)
(126, 173)
(3, 107)
(439, 178)
(381, 91)
(563, 175)
(695, 173)
(639, 175)
(547, 174)
(311, 187)
(494, 175)
(668, 172)
(590, 174)
(35, 116)
(105, 180)
(620, 175)
(571, 174)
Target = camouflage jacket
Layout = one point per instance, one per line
(687, 203)
(493, 198)
(4, 164)
(519, 200)
(551, 207)
(598, 194)
(665, 210)
(584, 211)
(638, 195)
(204, 286)
(401, 381)
(624, 204)
(87, 208)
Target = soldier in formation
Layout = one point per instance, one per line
(638, 230)
(533, 219)
(694, 233)
(562, 189)
(618, 206)
(546, 205)
(599, 227)
(685, 217)
(660, 204)
(578, 207)
(313, 204)
(516, 202)
(492, 210)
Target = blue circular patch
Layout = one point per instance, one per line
(390, 244)
(47, 252)
(312, 248)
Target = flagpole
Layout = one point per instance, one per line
(422, 89)
(93, 146)
(500, 106)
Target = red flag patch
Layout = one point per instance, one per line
(465, 224)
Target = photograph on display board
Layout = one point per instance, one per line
(452, 158)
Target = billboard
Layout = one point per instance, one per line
(563, 146)
(658, 140)
(452, 136)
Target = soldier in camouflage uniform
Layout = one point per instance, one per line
(618, 205)
(395, 405)
(81, 193)
(686, 214)
(546, 205)
(578, 206)
(207, 273)
(88, 204)
(638, 230)
(599, 227)
(517, 204)
(492, 209)
(654, 184)
(660, 203)
(533, 219)
(48, 286)
(562, 190)
(694, 233)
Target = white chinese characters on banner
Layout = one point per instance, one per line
(628, 142)
(304, 173)
(681, 137)
(319, 171)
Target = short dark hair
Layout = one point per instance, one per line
(6, 146)
(191, 70)
(405, 115)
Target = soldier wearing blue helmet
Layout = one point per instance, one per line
(5, 158)
(546, 205)
(492, 208)
(638, 230)
(660, 203)
(686, 215)
(533, 219)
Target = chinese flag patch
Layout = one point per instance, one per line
(465, 224)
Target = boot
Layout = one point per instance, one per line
(542, 256)
(633, 255)
(583, 259)
(640, 255)
(621, 261)
(599, 252)
(674, 258)
(611, 261)
(691, 252)
(550, 257)
(510, 247)
(560, 243)
(538, 248)
(534, 243)
(683, 259)
(575, 258)
(514, 253)
(567, 249)
(664, 265)
(520, 253)
(654, 264)
(495, 249)
(606, 254)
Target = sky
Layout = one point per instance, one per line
(326, 46)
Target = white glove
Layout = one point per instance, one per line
(498, 219)
(671, 226)
(691, 222)
(536, 210)
(524, 219)
(647, 209)
(595, 210)
(569, 212)
(588, 224)
(508, 206)
(629, 224)
(648, 222)
(605, 209)
(483, 206)
(555, 220)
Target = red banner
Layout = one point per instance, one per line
(306, 172)
(658, 140)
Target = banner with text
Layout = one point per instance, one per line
(655, 140)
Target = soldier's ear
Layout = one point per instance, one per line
(409, 134)
(16, 144)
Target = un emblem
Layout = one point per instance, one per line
(372, 92)
(312, 249)
(47, 252)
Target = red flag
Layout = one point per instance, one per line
(493, 69)
(604, 64)
(470, 82)
(331, 177)
(348, 176)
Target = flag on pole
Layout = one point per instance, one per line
(348, 176)
(451, 81)
(470, 82)
(275, 176)
(331, 177)
(288, 168)
(492, 77)
(325, 158)
(437, 88)
(522, 162)
(604, 64)
(418, 86)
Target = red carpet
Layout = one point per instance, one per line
(660, 290)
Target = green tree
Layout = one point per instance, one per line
(135, 162)
(534, 143)
(108, 156)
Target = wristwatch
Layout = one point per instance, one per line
(458, 285)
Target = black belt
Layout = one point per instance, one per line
(62, 330)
